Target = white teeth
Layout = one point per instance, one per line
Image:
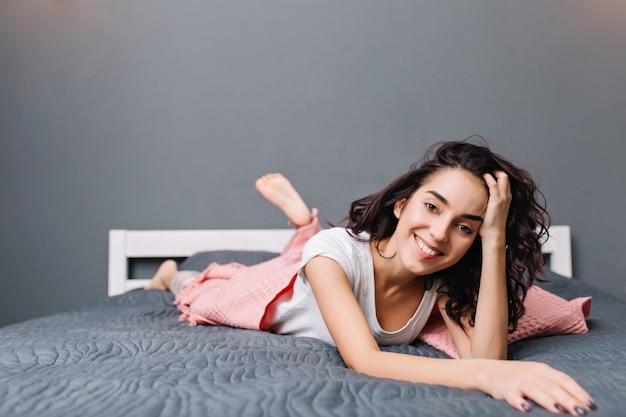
(426, 249)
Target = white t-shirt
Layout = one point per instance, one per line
(300, 315)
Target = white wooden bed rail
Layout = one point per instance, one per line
(128, 244)
(559, 247)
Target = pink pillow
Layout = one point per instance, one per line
(546, 314)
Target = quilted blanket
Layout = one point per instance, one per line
(130, 356)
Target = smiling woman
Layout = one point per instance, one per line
(462, 231)
(437, 218)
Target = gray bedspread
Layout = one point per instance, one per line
(129, 356)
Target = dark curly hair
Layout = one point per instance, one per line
(527, 226)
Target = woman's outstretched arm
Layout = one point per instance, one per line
(514, 382)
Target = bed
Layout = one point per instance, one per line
(128, 355)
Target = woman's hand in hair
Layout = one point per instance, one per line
(494, 222)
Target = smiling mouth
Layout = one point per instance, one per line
(427, 249)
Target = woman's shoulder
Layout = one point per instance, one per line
(335, 240)
(339, 235)
(352, 254)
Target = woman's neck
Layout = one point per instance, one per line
(398, 293)
(389, 273)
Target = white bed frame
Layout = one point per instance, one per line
(125, 245)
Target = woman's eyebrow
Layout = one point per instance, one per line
(447, 204)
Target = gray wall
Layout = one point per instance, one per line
(160, 114)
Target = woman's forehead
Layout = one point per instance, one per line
(454, 175)
(456, 185)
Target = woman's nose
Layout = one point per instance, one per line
(439, 231)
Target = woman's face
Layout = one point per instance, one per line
(439, 222)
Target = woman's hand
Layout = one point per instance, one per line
(516, 382)
(494, 222)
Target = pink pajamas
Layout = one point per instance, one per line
(238, 295)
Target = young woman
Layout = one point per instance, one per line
(460, 232)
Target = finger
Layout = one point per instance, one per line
(503, 182)
(498, 186)
(561, 394)
(556, 400)
(576, 398)
(500, 175)
(490, 180)
(518, 402)
(542, 396)
(566, 405)
(497, 179)
(502, 179)
(492, 185)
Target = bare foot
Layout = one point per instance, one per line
(162, 279)
(278, 190)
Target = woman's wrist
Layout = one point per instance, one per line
(480, 378)
(493, 243)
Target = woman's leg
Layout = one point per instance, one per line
(169, 278)
(162, 279)
(278, 190)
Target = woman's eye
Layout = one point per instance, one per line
(465, 229)
(430, 207)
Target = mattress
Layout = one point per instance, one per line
(128, 355)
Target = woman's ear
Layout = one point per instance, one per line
(397, 208)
